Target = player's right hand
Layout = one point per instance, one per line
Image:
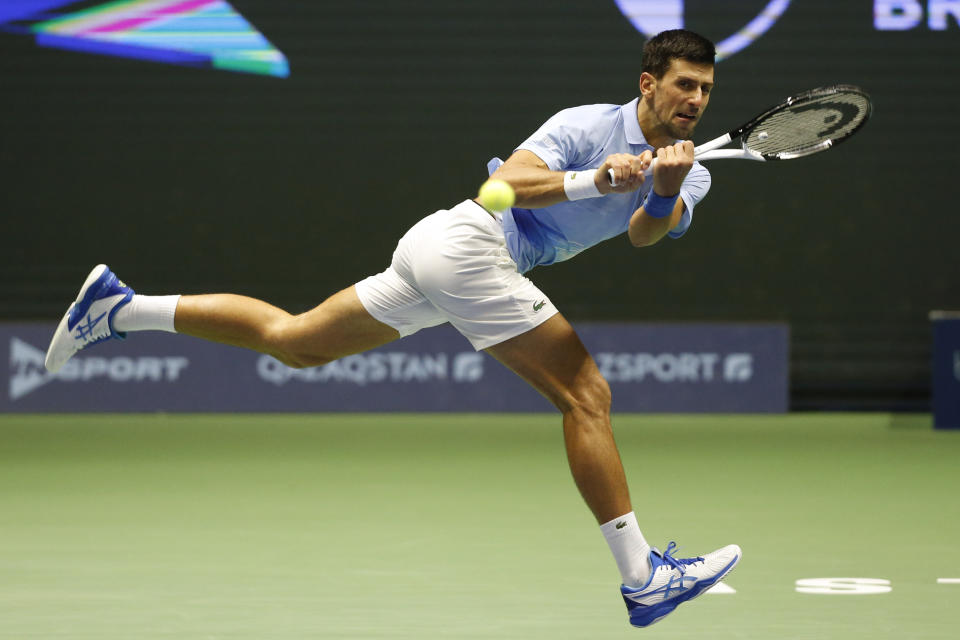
(673, 165)
(628, 172)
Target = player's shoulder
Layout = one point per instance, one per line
(589, 119)
(589, 112)
(593, 108)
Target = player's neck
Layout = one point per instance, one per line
(654, 131)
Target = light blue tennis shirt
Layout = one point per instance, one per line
(576, 139)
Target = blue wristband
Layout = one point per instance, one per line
(657, 206)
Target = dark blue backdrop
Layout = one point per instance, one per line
(191, 180)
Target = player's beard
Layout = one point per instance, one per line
(666, 122)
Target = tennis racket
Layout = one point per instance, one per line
(801, 125)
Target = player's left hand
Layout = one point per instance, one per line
(628, 171)
(673, 165)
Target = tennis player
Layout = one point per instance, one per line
(465, 266)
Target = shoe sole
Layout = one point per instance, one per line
(696, 592)
(62, 331)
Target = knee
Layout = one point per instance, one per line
(296, 360)
(281, 339)
(590, 398)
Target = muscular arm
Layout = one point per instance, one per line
(646, 230)
(536, 186)
(673, 165)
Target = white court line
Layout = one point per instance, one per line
(721, 588)
(948, 580)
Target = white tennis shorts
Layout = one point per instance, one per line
(453, 266)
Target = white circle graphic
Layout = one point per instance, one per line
(650, 17)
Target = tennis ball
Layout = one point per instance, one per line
(496, 195)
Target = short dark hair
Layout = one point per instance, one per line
(661, 49)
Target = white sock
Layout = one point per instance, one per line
(629, 548)
(147, 313)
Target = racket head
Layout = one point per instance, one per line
(807, 123)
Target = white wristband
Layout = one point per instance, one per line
(578, 185)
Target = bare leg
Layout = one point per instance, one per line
(337, 327)
(553, 360)
(550, 357)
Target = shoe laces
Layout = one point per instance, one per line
(680, 564)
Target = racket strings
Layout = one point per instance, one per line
(808, 126)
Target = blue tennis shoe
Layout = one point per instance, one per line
(89, 320)
(675, 580)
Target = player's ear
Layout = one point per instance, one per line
(648, 83)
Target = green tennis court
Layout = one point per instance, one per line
(464, 526)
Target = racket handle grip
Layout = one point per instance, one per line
(613, 181)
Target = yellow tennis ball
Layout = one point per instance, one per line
(496, 195)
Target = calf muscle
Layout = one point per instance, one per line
(338, 327)
(554, 361)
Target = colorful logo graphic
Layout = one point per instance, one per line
(196, 33)
(27, 373)
(650, 17)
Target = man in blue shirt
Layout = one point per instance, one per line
(579, 179)
(579, 139)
